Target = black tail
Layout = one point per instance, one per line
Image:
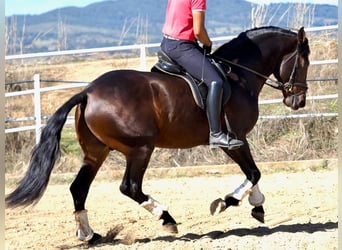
(43, 158)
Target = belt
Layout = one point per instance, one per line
(171, 38)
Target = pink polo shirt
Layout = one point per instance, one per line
(178, 19)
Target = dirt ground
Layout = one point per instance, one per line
(301, 213)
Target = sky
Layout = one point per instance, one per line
(41, 6)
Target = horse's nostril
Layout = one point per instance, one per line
(302, 103)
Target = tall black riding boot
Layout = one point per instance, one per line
(216, 137)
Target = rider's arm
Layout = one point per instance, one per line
(199, 28)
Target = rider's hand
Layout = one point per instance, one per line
(207, 49)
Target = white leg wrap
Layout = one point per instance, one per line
(256, 198)
(242, 190)
(154, 206)
(84, 231)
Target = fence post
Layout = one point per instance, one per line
(143, 58)
(37, 106)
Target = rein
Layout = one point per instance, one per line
(269, 81)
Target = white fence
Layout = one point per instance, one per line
(143, 47)
(37, 90)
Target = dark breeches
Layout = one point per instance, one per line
(191, 57)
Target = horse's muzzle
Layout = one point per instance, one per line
(295, 101)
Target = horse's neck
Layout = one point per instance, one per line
(256, 60)
(253, 77)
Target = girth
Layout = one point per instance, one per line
(198, 88)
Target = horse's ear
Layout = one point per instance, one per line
(301, 35)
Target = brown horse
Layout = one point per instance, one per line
(133, 112)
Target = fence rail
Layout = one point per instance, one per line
(38, 118)
(37, 90)
(143, 47)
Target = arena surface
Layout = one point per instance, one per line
(301, 213)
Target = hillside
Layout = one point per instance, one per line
(118, 22)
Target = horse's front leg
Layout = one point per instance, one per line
(131, 185)
(257, 199)
(249, 187)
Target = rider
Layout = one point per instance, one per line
(184, 26)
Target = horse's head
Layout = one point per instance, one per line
(293, 71)
(286, 55)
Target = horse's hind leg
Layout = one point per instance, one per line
(250, 187)
(137, 160)
(95, 152)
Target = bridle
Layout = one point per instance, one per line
(288, 86)
(285, 87)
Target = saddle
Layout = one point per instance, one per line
(198, 88)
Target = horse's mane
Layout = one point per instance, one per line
(261, 31)
(245, 42)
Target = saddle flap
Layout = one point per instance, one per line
(199, 90)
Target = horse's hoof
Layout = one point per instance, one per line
(259, 214)
(95, 238)
(171, 228)
(217, 206)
